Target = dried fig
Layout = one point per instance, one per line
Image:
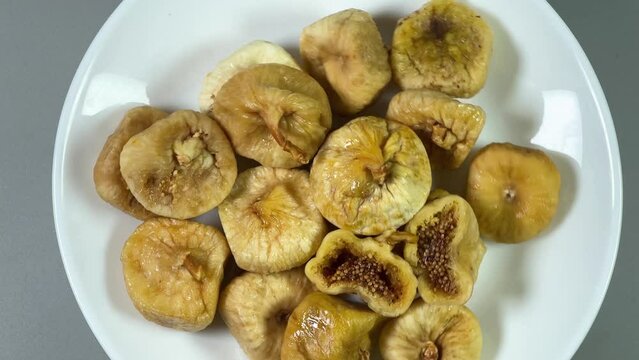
(253, 53)
(345, 52)
(347, 264)
(370, 175)
(270, 221)
(443, 46)
(448, 250)
(256, 308)
(274, 114)
(448, 128)
(173, 270)
(432, 332)
(181, 166)
(106, 173)
(514, 191)
(323, 327)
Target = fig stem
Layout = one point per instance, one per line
(430, 352)
(364, 355)
(379, 173)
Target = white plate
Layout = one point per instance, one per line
(535, 300)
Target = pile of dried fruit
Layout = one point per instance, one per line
(370, 177)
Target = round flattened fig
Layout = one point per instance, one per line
(432, 332)
(324, 327)
(173, 270)
(181, 166)
(270, 221)
(253, 53)
(274, 114)
(256, 308)
(443, 46)
(107, 177)
(347, 264)
(370, 175)
(345, 51)
(448, 250)
(448, 128)
(514, 191)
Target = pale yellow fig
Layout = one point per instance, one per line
(274, 114)
(514, 191)
(324, 327)
(181, 166)
(443, 46)
(371, 175)
(173, 270)
(256, 308)
(253, 53)
(432, 332)
(448, 128)
(270, 220)
(107, 177)
(345, 52)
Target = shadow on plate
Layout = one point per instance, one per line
(569, 187)
(508, 286)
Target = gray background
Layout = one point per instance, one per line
(41, 44)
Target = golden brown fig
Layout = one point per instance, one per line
(274, 114)
(181, 166)
(432, 332)
(323, 327)
(513, 190)
(173, 270)
(253, 53)
(443, 46)
(345, 52)
(371, 175)
(256, 309)
(108, 180)
(270, 221)
(448, 250)
(347, 264)
(448, 128)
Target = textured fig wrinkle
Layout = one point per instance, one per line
(272, 117)
(363, 270)
(433, 249)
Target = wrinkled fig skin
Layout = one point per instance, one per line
(443, 46)
(173, 270)
(270, 221)
(324, 327)
(274, 114)
(256, 308)
(432, 332)
(108, 180)
(448, 128)
(347, 264)
(181, 166)
(448, 251)
(345, 52)
(253, 53)
(514, 191)
(370, 175)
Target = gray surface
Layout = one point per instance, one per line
(41, 44)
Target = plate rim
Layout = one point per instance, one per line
(594, 85)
